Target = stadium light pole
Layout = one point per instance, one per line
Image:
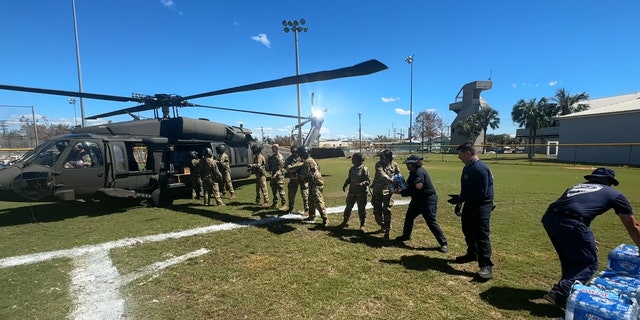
(33, 118)
(360, 131)
(296, 26)
(75, 29)
(73, 102)
(409, 60)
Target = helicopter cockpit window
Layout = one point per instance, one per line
(83, 155)
(47, 153)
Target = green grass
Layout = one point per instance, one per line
(290, 270)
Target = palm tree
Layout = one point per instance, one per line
(532, 115)
(486, 118)
(469, 128)
(567, 103)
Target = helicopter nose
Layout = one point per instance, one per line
(31, 185)
(7, 175)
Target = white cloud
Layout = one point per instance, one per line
(387, 100)
(514, 85)
(262, 38)
(236, 23)
(553, 83)
(402, 111)
(168, 3)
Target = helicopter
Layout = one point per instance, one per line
(145, 159)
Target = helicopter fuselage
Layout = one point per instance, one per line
(133, 159)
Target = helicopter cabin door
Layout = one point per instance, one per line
(80, 169)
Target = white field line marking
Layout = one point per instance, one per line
(95, 281)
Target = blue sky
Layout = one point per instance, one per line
(528, 48)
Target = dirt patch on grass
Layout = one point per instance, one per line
(579, 168)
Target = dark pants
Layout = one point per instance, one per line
(475, 227)
(429, 211)
(576, 248)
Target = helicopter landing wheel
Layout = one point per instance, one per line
(159, 200)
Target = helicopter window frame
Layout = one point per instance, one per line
(91, 149)
(119, 157)
(48, 153)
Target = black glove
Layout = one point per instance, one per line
(454, 199)
(458, 209)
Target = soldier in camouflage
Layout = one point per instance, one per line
(310, 173)
(275, 166)
(210, 177)
(258, 167)
(194, 172)
(358, 181)
(225, 169)
(381, 196)
(292, 165)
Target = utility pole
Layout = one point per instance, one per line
(360, 131)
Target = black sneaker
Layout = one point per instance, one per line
(486, 272)
(550, 296)
(466, 258)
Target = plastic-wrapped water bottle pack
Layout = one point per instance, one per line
(613, 293)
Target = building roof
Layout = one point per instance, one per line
(608, 105)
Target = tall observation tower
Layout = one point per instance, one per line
(468, 102)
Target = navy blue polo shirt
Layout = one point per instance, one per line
(476, 183)
(589, 200)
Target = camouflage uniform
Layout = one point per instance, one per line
(210, 177)
(310, 172)
(225, 170)
(275, 166)
(258, 168)
(358, 181)
(381, 196)
(293, 164)
(196, 181)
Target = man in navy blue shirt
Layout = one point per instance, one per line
(476, 192)
(424, 201)
(567, 223)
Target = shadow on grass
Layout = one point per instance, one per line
(59, 211)
(372, 239)
(272, 222)
(424, 263)
(507, 298)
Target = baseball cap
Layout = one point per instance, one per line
(413, 159)
(603, 173)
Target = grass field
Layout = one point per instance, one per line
(251, 265)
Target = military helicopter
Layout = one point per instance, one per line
(143, 158)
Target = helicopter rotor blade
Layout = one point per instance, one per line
(140, 108)
(254, 112)
(361, 69)
(70, 93)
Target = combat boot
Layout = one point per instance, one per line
(386, 235)
(324, 221)
(232, 196)
(274, 205)
(362, 227)
(345, 223)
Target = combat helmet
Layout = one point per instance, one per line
(357, 157)
(220, 148)
(193, 154)
(207, 152)
(256, 148)
(386, 154)
(303, 151)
